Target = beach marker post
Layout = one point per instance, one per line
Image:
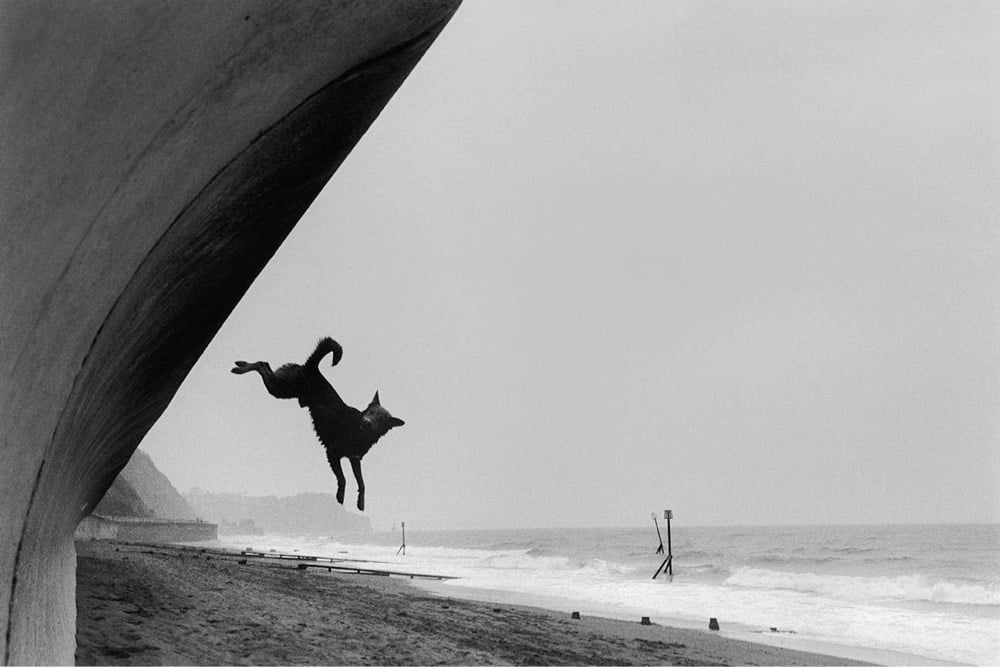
(668, 515)
(402, 548)
(668, 563)
(659, 549)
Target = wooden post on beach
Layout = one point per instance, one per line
(402, 548)
(659, 549)
(668, 515)
(668, 563)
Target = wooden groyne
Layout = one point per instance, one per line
(375, 572)
(280, 559)
(277, 555)
(331, 564)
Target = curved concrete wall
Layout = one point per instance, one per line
(155, 154)
(147, 531)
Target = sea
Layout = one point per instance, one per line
(895, 594)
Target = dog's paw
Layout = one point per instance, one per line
(361, 502)
(340, 496)
(240, 367)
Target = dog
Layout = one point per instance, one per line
(343, 431)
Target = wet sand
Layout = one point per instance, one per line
(144, 605)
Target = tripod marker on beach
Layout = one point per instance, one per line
(668, 562)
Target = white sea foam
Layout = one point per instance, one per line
(910, 587)
(809, 614)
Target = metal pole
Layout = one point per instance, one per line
(670, 551)
(666, 561)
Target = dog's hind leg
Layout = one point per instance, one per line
(241, 367)
(356, 467)
(283, 384)
(339, 473)
(261, 367)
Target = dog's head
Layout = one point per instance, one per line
(378, 420)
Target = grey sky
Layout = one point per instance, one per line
(737, 259)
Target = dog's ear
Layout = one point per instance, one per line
(394, 422)
(375, 400)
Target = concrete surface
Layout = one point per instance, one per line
(145, 531)
(154, 156)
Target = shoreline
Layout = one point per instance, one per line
(831, 650)
(163, 604)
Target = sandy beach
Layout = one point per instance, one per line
(142, 605)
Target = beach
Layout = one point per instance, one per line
(143, 604)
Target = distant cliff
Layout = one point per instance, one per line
(143, 506)
(141, 490)
(123, 500)
(303, 514)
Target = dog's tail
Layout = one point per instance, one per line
(324, 347)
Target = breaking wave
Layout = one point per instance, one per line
(904, 588)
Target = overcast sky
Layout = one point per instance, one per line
(737, 259)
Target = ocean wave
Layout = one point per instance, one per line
(881, 560)
(853, 550)
(905, 588)
(838, 556)
(702, 568)
(797, 560)
(600, 566)
(525, 561)
(513, 562)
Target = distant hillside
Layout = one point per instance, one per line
(142, 490)
(303, 514)
(122, 500)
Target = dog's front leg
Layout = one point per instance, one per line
(339, 472)
(356, 466)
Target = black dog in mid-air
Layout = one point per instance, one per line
(343, 430)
